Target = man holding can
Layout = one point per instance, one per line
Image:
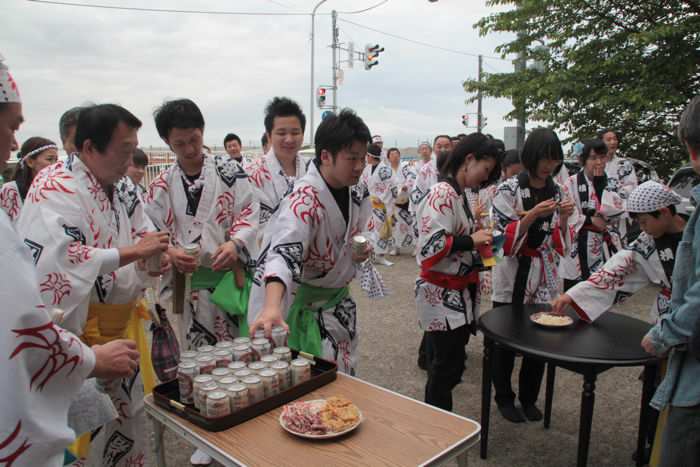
(307, 260)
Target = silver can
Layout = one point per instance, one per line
(218, 373)
(225, 345)
(235, 366)
(259, 334)
(206, 364)
(237, 396)
(223, 358)
(241, 341)
(188, 355)
(203, 394)
(226, 381)
(256, 392)
(218, 404)
(301, 371)
(242, 353)
(192, 249)
(279, 336)
(270, 382)
(206, 349)
(186, 372)
(240, 374)
(359, 244)
(198, 382)
(269, 359)
(256, 367)
(283, 353)
(261, 347)
(284, 374)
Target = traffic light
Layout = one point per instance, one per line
(321, 97)
(372, 55)
(465, 120)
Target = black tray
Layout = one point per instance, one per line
(167, 396)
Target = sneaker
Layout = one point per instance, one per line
(532, 413)
(511, 413)
(381, 260)
(199, 458)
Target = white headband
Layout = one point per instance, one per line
(8, 87)
(38, 150)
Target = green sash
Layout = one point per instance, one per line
(304, 333)
(226, 296)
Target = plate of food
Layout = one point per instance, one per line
(321, 418)
(551, 320)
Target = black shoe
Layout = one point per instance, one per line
(510, 413)
(532, 413)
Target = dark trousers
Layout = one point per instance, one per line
(424, 353)
(446, 364)
(529, 380)
(680, 442)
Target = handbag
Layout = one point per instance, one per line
(165, 350)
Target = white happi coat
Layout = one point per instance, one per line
(542, 283)
(272, 184)
(310, 243)
(227, 210)
(589, 249)
(402, 181)
(42, 369)
(626, 272)
(380, 190)
(74, 231)
(426, 177)
(10, 200)
(445, 214)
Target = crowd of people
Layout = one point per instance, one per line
(276, 232)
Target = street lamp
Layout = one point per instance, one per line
(312, 93)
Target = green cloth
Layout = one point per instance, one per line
(304, 333)
(205, 278)
(233, 300)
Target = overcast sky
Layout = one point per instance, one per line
(63, 56)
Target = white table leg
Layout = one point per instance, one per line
(463, 459)
(158, 429)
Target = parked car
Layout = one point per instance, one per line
(682, 182)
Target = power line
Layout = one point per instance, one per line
(363, 10)
(424, 44)
(167, 10)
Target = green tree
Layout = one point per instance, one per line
(627, 65)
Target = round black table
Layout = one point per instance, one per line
(587, 349)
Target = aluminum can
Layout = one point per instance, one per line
(284, 354)
(206, 349)
(261, 347)
(237, 396)
(259, 334)
(269, 359)
(191, 249)
(235, 366)
(226, 381)
(270, 382)
(240, 374)
(279, 337)
(206, 364)
(186, 372)
(256, 393)
(241, 340)
(188, 355)
(256, 367)
(223, 358)
(225, 345)
(359, 244)
(284, 374)
(301, 371)
(218, 404)
(202, 395)
(243, 353)
(199, 381)
(218, 373)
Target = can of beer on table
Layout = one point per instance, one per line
(223, 357)
(198, 382)
(259, 334)
(226, 381)
(241, 340)
(242, 353)
(256, 392)
(301, 371)
(283, 353)
(261, 347)
(188, 355)
(270, 382)
(237, 396)
(256, 367)
(225, 345)
(235, 366)
(186, 372)
(279, 336)
(359, 244)
(269, 359)
(284, 374)
(218, 373)
(206, 349)
(244, 373)
(203, 394)
(218, 404)
(206, 364)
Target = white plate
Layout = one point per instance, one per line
(568, 322)
(327, 435)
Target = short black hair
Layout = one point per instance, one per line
(392, 149)
(232, 137)
(374, 149)
(482, 147)
(601, 132)
(441, 136)
(98, 122)
(338, 132)
(179, 113)
(283, 107)
(541, 144)
(140, 158)
(23, 173)
(595, 145)
(689, 124)
(263, 140)
(510, 157)
(656, 214)
(68, 120)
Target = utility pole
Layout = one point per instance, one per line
(312, 94)
(479, 98)
(334, 48)
(519, 104)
